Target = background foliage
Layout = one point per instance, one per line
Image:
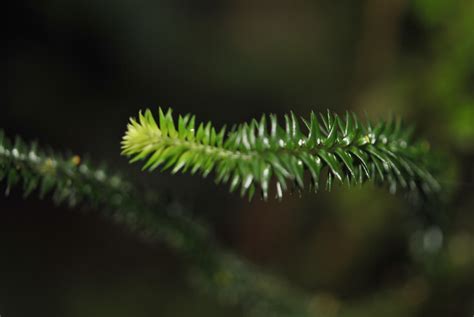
(77, 70)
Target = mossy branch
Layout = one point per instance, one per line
(250, 155)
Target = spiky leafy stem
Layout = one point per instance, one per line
(250, 154)
(70, 179)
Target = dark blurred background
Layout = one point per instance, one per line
(76, 71)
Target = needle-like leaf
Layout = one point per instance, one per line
(252, 153)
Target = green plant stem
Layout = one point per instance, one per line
(252, 154)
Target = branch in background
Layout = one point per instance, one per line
(251, 154)
(211, 269)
